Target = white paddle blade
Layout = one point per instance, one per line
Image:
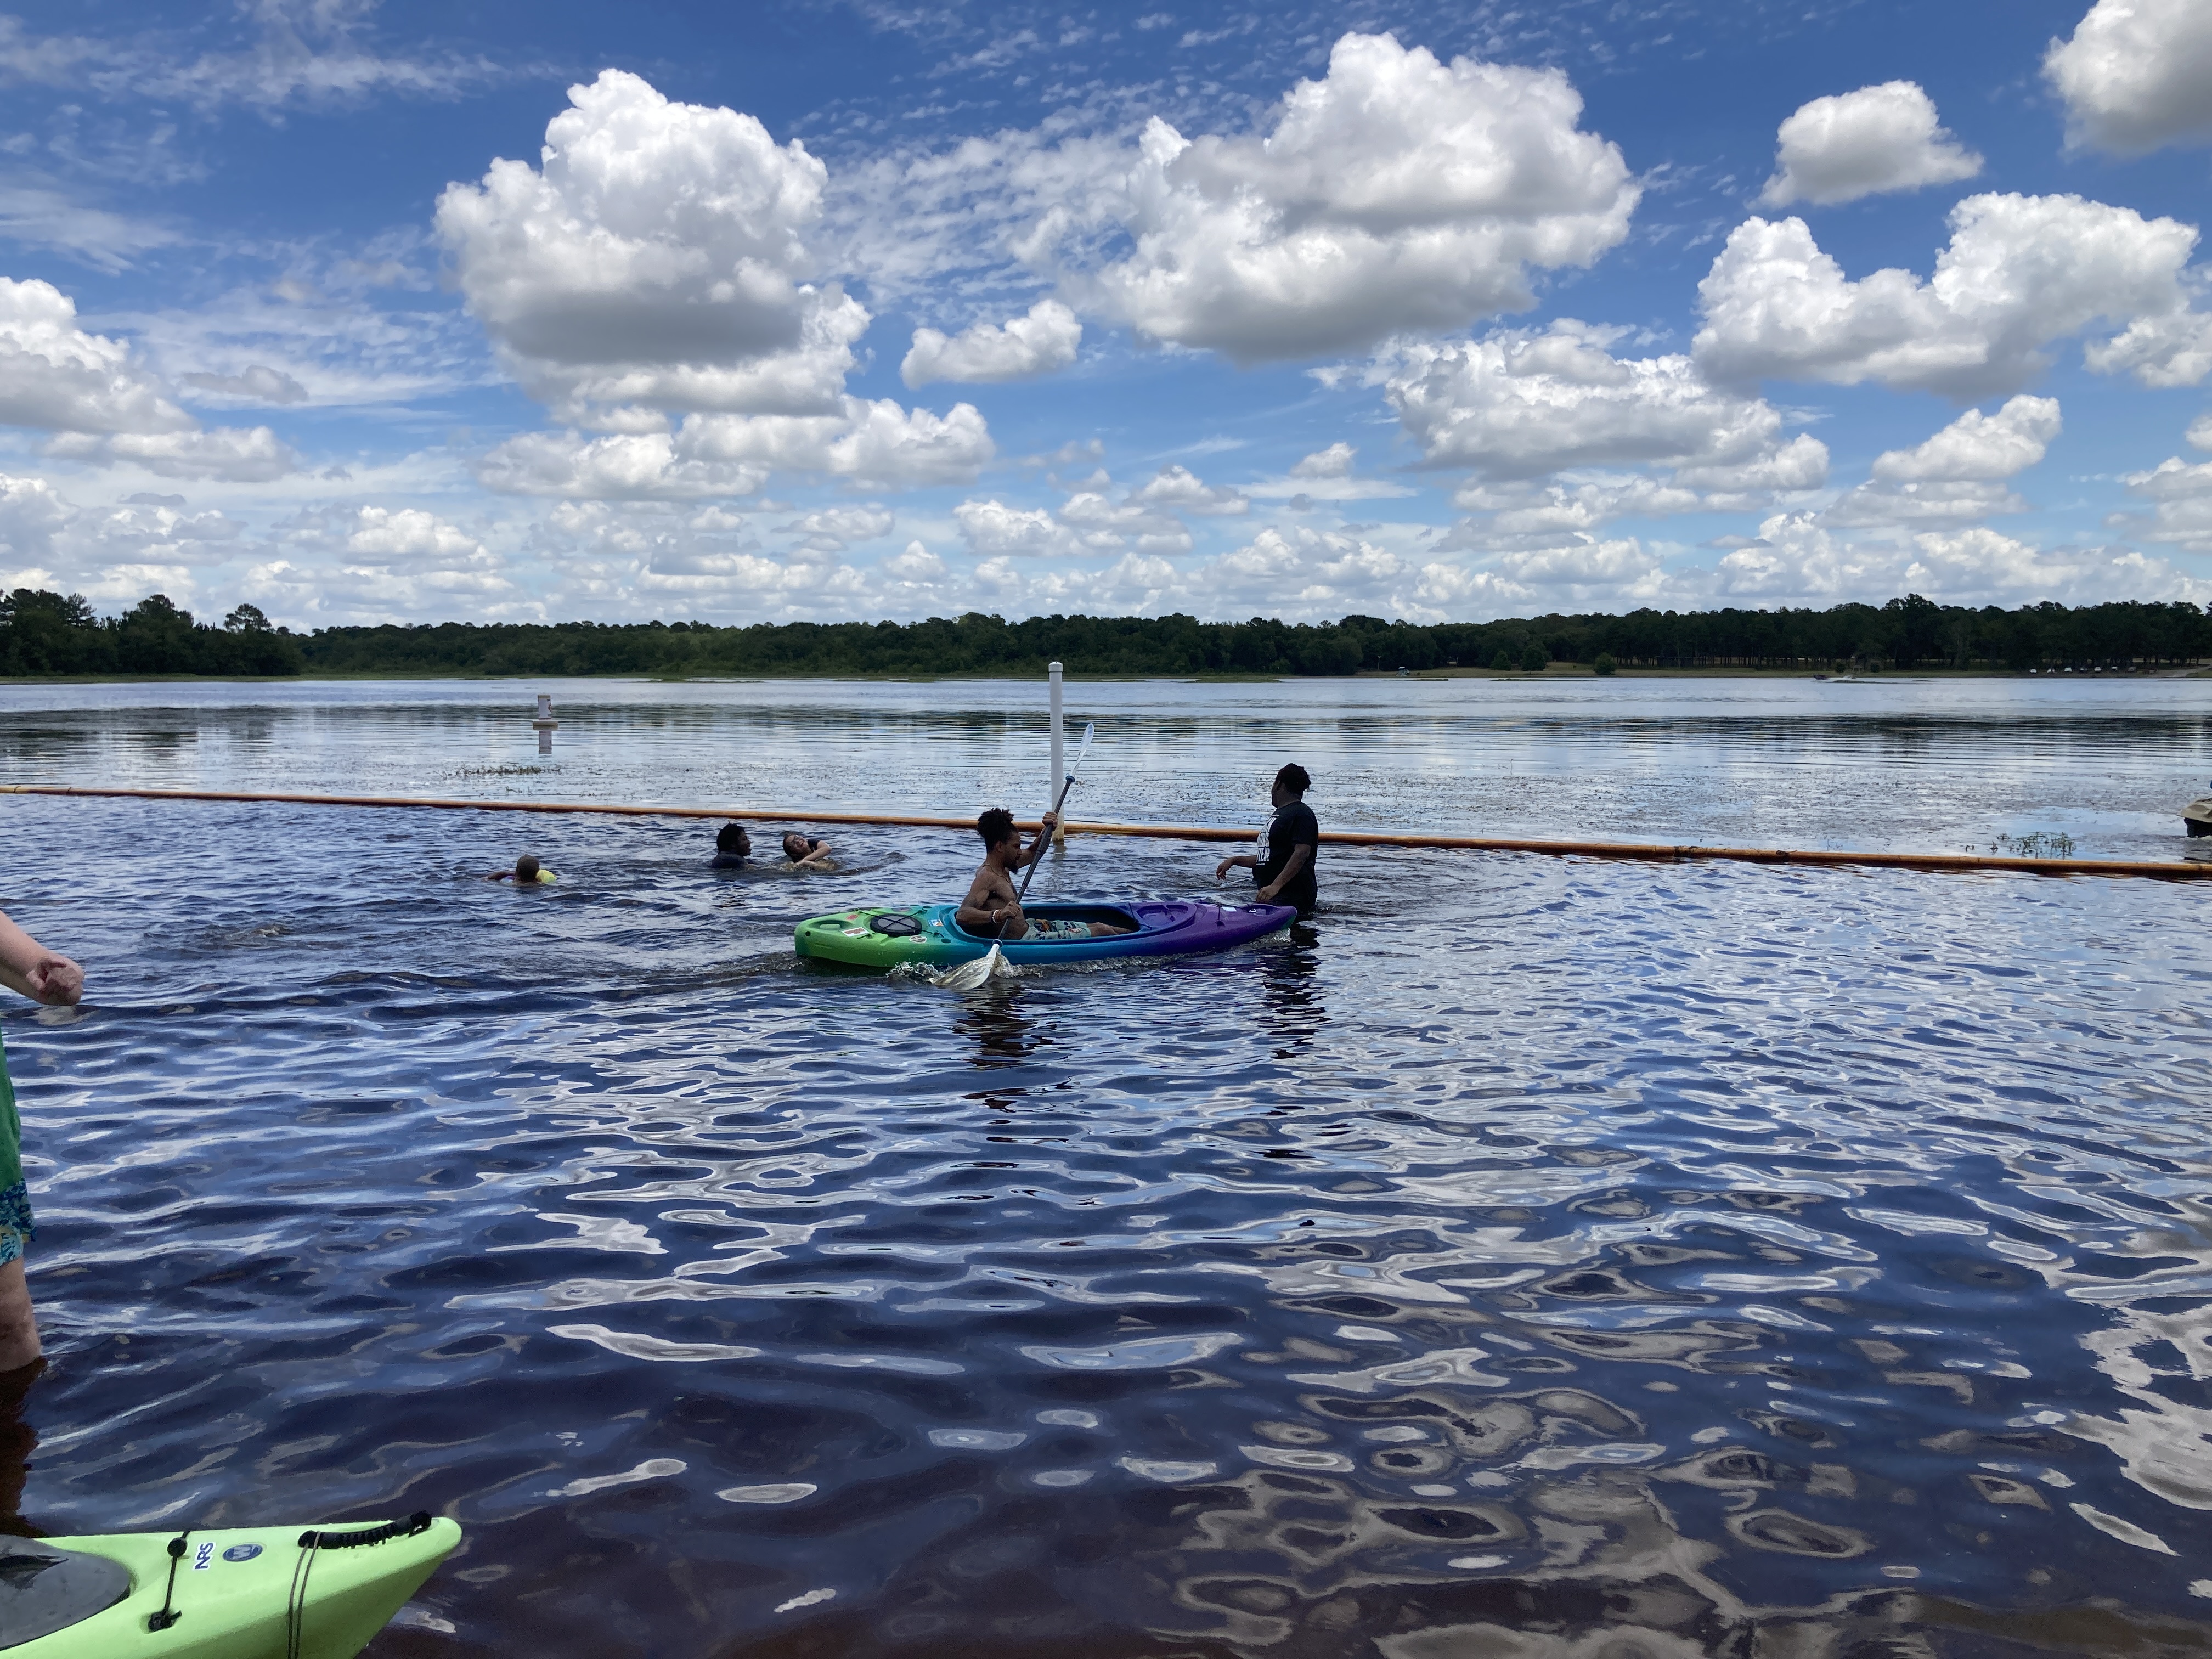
(970, 975)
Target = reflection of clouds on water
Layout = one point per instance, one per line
(2157, 1351)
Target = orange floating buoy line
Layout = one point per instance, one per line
(2156, 870)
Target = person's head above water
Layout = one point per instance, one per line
(733, 838)
(796, 846)
(996, 827)
(1291, 784)
(526, 867)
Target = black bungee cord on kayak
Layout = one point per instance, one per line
(312, 1544)
(164, 1618)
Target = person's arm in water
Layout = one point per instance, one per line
(818, 857)
(1242, 861)
(28, 968)
(1301, 855)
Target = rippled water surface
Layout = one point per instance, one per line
(1531, 1257)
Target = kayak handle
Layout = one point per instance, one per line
(418, 1522)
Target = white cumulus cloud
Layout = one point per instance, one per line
(386, 535)
(230, 454)
(995, 530)
(1519, 404)
(1798, 561)
(103, 407)
(1043, 339)
(1335, 462)
(2181, 504)
(33, 513)
(2020, 273)
(1145, 520)
(2136, 74)
(54, 375)
(1957, 476)
(1178, 489)
(1978, 446)
(1396, 193)
(833, 529)
(1864, 144)
(660, 245)
(877, 443)
(647, 282)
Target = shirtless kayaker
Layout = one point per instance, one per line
(992, 910)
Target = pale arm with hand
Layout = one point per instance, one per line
(28, 968)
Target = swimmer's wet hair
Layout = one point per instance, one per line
(995, 825)
(729, 838)
(1293, 778)
(526, 866)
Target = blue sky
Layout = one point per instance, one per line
(367, 313)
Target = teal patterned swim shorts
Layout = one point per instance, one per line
(15, 1198)
(1058, 930)
(15, 1229)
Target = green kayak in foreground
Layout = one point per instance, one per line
(228, 1593)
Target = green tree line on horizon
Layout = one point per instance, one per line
(46, 633)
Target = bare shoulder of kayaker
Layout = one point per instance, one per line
(989, 891)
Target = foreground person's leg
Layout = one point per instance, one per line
(18, 1326)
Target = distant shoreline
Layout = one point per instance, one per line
(1558, 673)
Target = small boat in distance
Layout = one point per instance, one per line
(2196, 816)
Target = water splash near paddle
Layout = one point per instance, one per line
(972, 975)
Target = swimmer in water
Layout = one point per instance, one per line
(733, 847)
(528, 872)
(806, 855)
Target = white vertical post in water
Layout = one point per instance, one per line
(545, 724)
(1059, 749)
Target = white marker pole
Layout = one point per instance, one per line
(1052, 673)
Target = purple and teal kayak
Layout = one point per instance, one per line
(879, 938)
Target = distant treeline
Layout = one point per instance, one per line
(44, 633)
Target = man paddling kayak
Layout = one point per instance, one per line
(44, 976)
(1282, 869)
(992, 909)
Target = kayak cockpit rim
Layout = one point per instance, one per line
(1112, 915)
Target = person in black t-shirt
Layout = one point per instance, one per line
(1282, 869)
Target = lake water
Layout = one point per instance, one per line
(1639, 1260)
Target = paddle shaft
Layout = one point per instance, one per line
(1065, 784)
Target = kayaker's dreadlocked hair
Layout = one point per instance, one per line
(995, 825)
